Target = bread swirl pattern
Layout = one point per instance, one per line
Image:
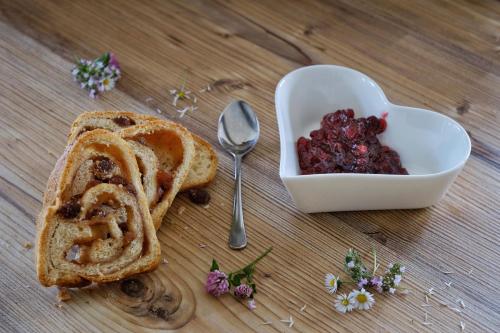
(95, 224)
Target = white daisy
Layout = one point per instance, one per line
(106, 84)
(331, 283)
(179, 95)
(397, 279)
(343, 303)
(363, 300)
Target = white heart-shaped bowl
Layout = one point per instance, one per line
(433, 147)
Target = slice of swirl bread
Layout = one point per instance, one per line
(95, 224)
(203, 168)
(164, 152)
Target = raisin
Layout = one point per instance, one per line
(199, 196)
(85, 129)
(70, 209)
(123, 121)
(103, 168)
(123, 227)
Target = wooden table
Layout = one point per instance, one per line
(438, 55)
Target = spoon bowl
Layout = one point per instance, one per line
(238, 128)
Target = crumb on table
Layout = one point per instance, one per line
(63, 294)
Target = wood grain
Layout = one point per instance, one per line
(438, 55)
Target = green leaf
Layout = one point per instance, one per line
(254, 288)
(215, 266)
(104, 58)
(236, 280)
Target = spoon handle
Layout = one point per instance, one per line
(237, 235)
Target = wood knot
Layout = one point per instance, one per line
(224, 35)
(229, 85)
(154, 300)
(176, 41)
(165, 306)
(378, 236)
(158, 312)
(132, 287)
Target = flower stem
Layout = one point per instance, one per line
(349, 282)
(253, 263)
(375, 266)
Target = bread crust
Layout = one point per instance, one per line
(58, 181)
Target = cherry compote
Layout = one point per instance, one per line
(345, 144)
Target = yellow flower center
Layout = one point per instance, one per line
(181, 94)
(361, 298)
(332, 282)
(345, 302)
(105, 82)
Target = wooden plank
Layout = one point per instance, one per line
(246, 47)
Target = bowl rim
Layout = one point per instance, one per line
(282, 131)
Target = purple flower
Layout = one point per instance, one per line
(243, 291)
(251, 304)
(113, 61)
(362, 283)
(376, 282)
(217, 283)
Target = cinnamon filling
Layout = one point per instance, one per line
(128, 237)
(119, 180)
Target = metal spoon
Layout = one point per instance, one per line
(238, 134)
